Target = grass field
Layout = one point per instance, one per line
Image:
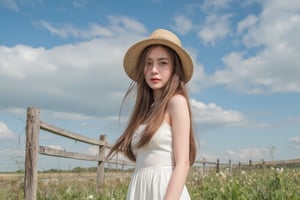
(268, 184)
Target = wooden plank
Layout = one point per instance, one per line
(205, 162)
(283, 162)
(292, 161)
(62, 132)
(120, 162)
(273, 162)
(65, 154)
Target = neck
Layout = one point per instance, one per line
(156, 95)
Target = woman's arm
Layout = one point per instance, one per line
(180, 122)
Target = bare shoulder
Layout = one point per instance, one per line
(177, 100)
(178, 112)
(177, 103)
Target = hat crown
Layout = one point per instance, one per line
(158, 37)
(166, 35)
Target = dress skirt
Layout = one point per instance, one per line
(151, 184)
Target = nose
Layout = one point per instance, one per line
(153, 69)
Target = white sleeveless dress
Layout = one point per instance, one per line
(154, 165)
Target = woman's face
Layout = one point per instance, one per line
(158, 68)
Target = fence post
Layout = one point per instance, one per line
(100, 167)
(229, 166)
(117, 161)
(218, 166)
(204, 167)
(31, 153)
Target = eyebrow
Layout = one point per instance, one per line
(162, 58)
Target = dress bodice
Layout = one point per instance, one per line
(159, 150)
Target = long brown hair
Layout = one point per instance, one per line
(144, 109)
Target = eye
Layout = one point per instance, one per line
(148, 63)
(163, 62)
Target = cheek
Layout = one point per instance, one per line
(168, 73)
(145, 71)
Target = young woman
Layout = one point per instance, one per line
(159, 136)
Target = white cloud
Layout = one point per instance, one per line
(86, 77)
(248, 22)
(15, 111)
(182, 24)
(80, 3)
(124, 24)
(274, 24)
(246, 154)
(208, 5)
(211, 113)
(296, 141)
(10, 4)
(275, 65)
(5, 132)
(66, 115)
(210, 116)
(216, 24)
(208, 157)
(67, 30)
(118, 24)
(198, 79)
(216, 27)
(20, 61)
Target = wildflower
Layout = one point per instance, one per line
(90, 197)
(69, 189)
(222, 175)
(279, 170)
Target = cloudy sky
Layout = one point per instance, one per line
(65, 57)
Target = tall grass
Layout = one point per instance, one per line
(268, 184)
(272, 184)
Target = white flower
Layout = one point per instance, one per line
(279, 170)
(222, 175)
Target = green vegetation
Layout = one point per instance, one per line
(271, 184)
(267, 184)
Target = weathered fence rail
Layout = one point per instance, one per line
(249, 165)
(34, 125)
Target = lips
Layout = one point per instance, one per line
(154, 80)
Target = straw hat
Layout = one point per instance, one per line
(163, 37)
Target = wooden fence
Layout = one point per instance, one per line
(34, 125)
(218, 166)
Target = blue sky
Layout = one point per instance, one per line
(65, 57)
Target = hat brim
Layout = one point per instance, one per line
(134, 52)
